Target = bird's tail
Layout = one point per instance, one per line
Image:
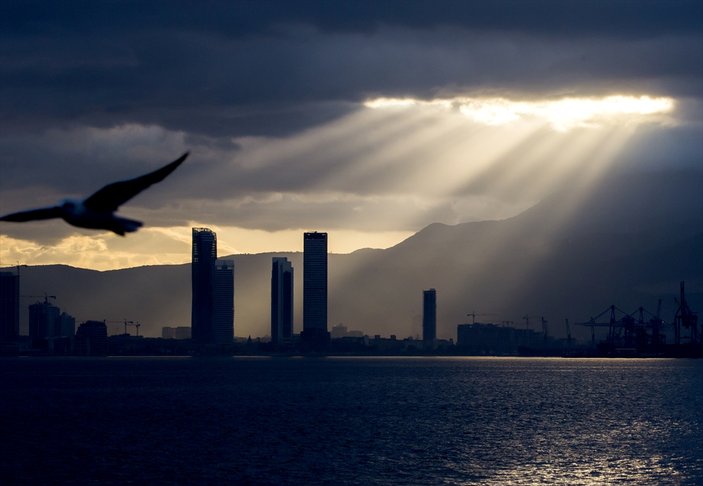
(124, 225)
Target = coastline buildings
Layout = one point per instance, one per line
(47, 322)
(180, 332)
(212, 287)
(42, 320)
(429, 318)
(281, 300)
(315, 332)
(91, 339)
(9, 306)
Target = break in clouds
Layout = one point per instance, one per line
(270, 101)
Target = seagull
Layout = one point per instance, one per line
(98, 210)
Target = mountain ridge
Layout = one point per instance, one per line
(626, 244)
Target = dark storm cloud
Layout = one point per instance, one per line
(243, 18)
(97, 91)
(270, 68)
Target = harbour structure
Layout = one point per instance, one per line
(643, 333)
(627, 332)
(685, 320)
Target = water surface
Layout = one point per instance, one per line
(351, 420)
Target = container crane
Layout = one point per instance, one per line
(685, 317)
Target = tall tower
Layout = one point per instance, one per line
(9, 306)
(281, 300)
(429, 318)
(223, 315)
(203, 285)
(315, 289)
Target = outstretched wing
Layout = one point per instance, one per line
(110, 197)
(33, 214)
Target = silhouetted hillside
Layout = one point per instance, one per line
(628, 243)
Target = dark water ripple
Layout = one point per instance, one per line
(351, 421)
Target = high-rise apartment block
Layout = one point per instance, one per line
(9, 306)
(223, 314)
(46, 321)
(315, 289)
(281, 300)
(212, 286)
(429, 318)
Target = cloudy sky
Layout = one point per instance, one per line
(369, 120)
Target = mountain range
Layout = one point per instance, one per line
(628, 241)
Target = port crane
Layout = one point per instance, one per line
(625, 329)
(543, 321)
(686, 318)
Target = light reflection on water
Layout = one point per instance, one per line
(353, 420)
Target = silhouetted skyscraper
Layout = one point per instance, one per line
(66, 325)
(429, 318)
(281, 300)
(315, 289)
(203, 284)
(91, 339)
(9, 306)
(212, 281)
(43, 320)
(223, 316)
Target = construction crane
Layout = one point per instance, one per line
(474, 315)
(45, 296)
(137, 325)
(124, 322)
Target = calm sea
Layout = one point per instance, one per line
(351, 421)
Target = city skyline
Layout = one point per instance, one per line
(212, 310)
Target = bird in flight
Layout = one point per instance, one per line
(98, 210)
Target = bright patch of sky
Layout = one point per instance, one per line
(562, 114)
